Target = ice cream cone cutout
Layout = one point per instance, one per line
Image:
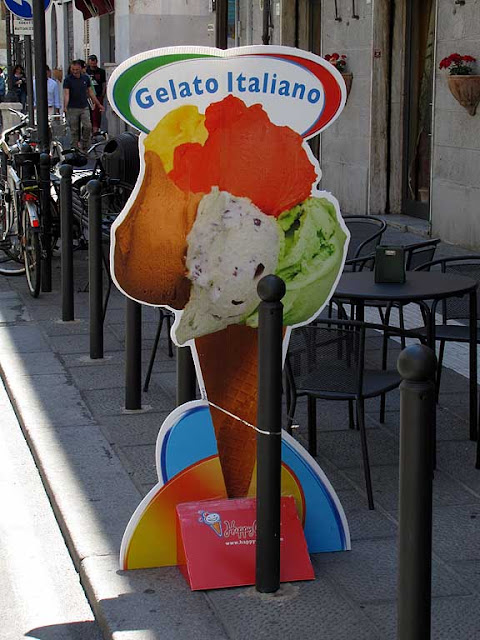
(227, 194)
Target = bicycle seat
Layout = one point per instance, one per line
(29, 157)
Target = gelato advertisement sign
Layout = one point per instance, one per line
(227, 193)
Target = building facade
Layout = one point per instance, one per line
(403, 143)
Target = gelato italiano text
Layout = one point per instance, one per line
(266, 83)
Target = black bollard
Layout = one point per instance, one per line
(29, 73)
(416, 364)
(133, 356)
(186, 376)
(66, 234)
(95, 276)
(221, 24)
(271, 290)
(46, 264)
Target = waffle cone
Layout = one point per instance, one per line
(229, 362)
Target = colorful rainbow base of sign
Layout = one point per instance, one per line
(189, 470)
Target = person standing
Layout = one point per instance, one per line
(3, 85)
(53, 94)
(77, 89)
(19, 85)
(98, 78)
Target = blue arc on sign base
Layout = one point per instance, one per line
(187, 436)
(23, 8)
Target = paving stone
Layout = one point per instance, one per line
(12, 310)
(81, 343)
(30, 364)
(59, 328)
(368, 572)
(456, 532)
(363, 523)
(458, 459)
(157, 601)
(112, 401)
(88, 486)
(454, 618)
(20, 339)
(344, 450)
(133, 429)
(49, 400)
(140, 462)
(100, 377)
(317, 608)
(446, 490)
(469, 570)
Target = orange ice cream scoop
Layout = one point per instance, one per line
(246, 155)
(151, 242)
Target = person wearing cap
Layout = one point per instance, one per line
(98, 78)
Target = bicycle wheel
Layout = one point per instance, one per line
(31, 251)
(11, 262)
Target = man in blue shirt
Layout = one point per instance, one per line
(77, 90)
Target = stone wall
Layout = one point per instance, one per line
(345, 145)
(456, 141)
(147, 24)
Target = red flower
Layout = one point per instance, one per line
(469, 59)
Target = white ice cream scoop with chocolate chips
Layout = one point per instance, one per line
(232, 245)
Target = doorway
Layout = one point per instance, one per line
(420, 45)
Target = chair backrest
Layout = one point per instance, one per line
(420, 253)
(327, 357)
(468, 265)
(365, 234)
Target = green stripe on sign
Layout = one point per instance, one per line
(129, 78)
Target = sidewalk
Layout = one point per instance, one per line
(97, 461)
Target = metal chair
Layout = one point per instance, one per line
(164, 315)
(365, 234)
(327, 361)
(455, 309)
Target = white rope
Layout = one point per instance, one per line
(232, 415)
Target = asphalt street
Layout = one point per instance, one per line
(41, 596)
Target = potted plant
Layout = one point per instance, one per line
(339, 61)
(464, 85)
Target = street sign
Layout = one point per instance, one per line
(23, 8)
(22, 27)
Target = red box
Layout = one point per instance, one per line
(216, 543)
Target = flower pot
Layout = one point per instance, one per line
(347, 78)
(466, 90)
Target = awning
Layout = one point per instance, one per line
(95, 8)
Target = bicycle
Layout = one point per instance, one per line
(20, 219)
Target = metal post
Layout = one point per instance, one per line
(266, 22)
(271, 290)
(29, 74)
(66, 234)
(39, 42)
(17, 48)
(186, 376)
(95, 275)
(416, 364)
(46, 264)
(11, 94)
(221, 24)
(133, 355)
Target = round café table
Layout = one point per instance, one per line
(420, 286)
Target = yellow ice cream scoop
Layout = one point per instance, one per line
(182, 125)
